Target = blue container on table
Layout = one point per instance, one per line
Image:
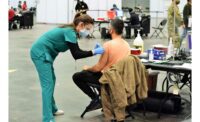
(158, 54)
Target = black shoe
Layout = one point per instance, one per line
(95, 104)
(113, 120)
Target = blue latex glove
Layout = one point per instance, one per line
(99, 50)
(97, 46)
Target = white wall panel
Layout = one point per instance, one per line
(157, 5)
(163, 5)
(103, 5)
(71, 10)
(41, 11)
(62, 11)
(93, 6)
(117, 2)
(30, 3)
(132, 3)
(182, 4)
(13, 3)
(51, 11)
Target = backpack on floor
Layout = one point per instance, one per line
(172, 104)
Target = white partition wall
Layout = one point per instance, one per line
(132, 3)
(30, 3)
(41, 11)
(162, 6)
(53, 11)
(98, 8)
(62, 11)
(157, 8)
(93, 6)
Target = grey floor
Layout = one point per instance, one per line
(24, 88)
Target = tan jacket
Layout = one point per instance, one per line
(122, 84)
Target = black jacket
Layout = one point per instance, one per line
(187, 11)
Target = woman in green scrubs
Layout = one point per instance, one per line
(48, 46)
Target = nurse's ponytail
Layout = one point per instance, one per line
(79, 17)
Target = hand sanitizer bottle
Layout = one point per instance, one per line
(138, 43)
(151, 55)
(170, 52)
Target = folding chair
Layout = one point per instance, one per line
(96, 103)
(159, 29)
(130, 108)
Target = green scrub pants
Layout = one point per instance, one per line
(47, 81)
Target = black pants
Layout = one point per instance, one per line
(82, 78)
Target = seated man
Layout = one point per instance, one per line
(115, 50)
(11, 15)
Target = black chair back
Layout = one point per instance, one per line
(163, 22)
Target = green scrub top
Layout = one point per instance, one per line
(53, 42)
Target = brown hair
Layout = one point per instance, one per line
(79, 17)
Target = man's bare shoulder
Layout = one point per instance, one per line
(108, 43)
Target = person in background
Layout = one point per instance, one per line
(24, 6)
(15, 11)
(19, 7)
(138, 9)
(115, 50)
(81, 6)
(11, 15)
(115, 8)
(174, 21)
(20, 4)
(187, 13)
(45, 50)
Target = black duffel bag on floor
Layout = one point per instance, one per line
(162, 102)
